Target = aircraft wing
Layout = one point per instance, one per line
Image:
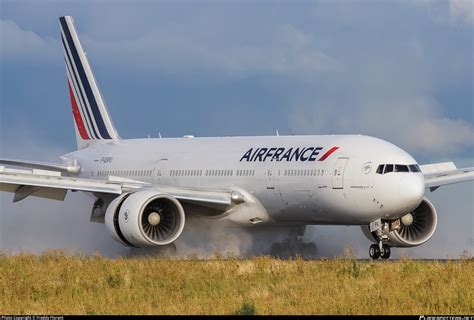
(72, 168)
(440, 174)
(53, 185)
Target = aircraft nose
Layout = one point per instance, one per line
(412, 188)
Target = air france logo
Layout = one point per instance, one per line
(286, 154)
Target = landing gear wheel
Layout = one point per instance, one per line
(374, 251)
(385, 252)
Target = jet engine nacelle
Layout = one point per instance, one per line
(145, 218)
(412, 229)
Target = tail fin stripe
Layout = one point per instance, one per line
(93, 133)
(77, 115)
(79, 102)
(89, 94)
(80, 92)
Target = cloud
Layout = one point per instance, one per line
(338, 69)
(348, 83)
(462, 9)
(451, 11)
(291, 52)
(19, 44)
(415, 123)
(288, 51)
(439, 136)
(389, 88)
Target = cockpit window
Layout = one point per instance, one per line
(401, 168)
(380, 169)
(388, 168)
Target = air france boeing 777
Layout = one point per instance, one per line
(146, 188)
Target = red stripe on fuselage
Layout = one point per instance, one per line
(77, 115)
(328, 153)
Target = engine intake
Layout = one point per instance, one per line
(412, 229)
(145, 218)
(161, 220)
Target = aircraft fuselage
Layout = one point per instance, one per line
(328, 179)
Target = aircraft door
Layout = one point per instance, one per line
(160, 171)
(338, 173)
(270, 179)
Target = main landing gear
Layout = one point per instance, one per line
(294, 246)
(379, 251)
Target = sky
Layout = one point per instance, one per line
(398, 70)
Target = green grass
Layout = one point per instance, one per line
(55, 283)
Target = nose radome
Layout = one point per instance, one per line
(412, 188)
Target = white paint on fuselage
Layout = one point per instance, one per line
(296, 198)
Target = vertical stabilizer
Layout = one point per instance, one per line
(91, 117)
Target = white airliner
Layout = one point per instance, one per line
(146, 188)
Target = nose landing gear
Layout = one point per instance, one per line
(380, 232)
(379, 251)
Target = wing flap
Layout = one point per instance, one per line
(49, 193)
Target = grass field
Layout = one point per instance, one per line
(54, 283)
